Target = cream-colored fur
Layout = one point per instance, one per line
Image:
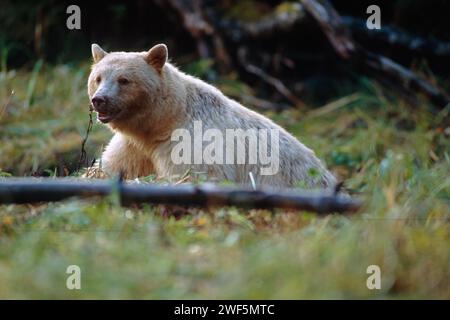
(156, 98)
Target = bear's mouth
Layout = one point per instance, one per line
(105, 117)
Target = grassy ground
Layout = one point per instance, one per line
(395, 157)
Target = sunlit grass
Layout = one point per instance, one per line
(395, 158)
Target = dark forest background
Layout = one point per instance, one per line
(37, 30)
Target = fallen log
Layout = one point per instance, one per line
(407, 79)
(288, 20)
(395, 37)
(29, 190)
(341, 39)
(339, 32)
(269, 26)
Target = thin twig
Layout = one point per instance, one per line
(83, 155)
(2, 111)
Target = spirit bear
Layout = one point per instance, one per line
(169, 123)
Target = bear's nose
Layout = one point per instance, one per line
(98, 101)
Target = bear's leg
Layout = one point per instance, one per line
(122, 157)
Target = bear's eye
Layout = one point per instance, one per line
(98, 79)
(123, 81)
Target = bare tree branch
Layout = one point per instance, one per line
(266, 27)
(392, 36)
(194, 21)
(341, 39)
(276, 83)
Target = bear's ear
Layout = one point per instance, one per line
(97, 52)
(157, 56)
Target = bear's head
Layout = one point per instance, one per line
(122, 85)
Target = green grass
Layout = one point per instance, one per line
(45, 119)
(395, 157)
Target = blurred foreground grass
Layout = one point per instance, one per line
(395, 157)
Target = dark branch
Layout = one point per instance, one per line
(341, 40)
(27, 190)
(391, 36)
(266, 27)
(274, 82)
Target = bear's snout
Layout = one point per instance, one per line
(99, 102)
(106, 112)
